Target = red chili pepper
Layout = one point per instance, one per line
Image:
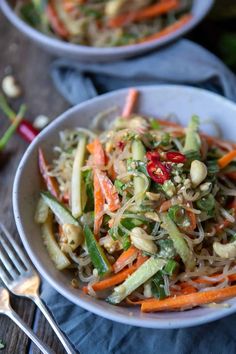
(158, 176)
(27, 131)
(175, 157)
(153, 156)
(121, 145)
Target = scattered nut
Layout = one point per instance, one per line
(153, 196)
(74, 235)
(225, 251)
(198, 172)
(10, 87)
(205, 186)
(152, 215)
(40, 122)
(139, 240)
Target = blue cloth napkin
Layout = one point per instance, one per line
(182, 63)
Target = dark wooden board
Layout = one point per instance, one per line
(30, 65)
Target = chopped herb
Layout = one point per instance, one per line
(166, 249)
(154, 124)
(126, 242)
(87, 175)
(158, 286)
(212, 167)
(165, 141)
(178, 215)
(206, 203)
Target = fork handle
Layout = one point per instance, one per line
(28, 331)
(67, 346)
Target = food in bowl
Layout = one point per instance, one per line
(106, 23)
(143, 212)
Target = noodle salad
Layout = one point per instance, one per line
(142, 213)
(106, 23)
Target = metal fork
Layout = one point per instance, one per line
(6, 309)
(21, 279)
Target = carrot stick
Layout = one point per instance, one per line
(226, 159)
(117, 266)
(95, 148)
(99, 202)
(188, 301)
(113, 280)
(169, 29)
(143, 14)
(108, 190)
(56, 24)
(130, 103)
(117, 278)
(50, 182)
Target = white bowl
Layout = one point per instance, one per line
(74, 51)
(156, 101)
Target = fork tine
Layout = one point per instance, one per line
(9, 267)
(11, 255)
(16, 247)
(4, 276)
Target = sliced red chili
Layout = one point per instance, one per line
(175, 157)
(121, 145)
(153, 156)
(158, 172)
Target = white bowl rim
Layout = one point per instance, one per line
(56, 43)
(158, 323)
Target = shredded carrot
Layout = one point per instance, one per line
(225, 223)
(117, 278)
(213, 141)
(169, 29)
(182, 302)
(113, 280)
(226, 159)
(165, 206)
(130, 103)
(99, 202)
(50, 181)
(143, 14)
(193, 221)
(108, 190)
(55, 22)
(95, 148)
(185, 289)
(117, 266)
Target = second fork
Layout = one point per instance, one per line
(21, 279)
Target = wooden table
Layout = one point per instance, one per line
(30, 65)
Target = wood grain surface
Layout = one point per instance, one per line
(30, 65)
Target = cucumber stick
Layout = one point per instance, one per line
(96, 253)
(179, 242)
(54, 251)
(192, 140)
(140, 276)
(138, 154)
(62, 213)
(76, 181)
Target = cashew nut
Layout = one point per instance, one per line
(10, 87)
(225, 251)
(140, 240)
(153, 196)
(73, 235)
(198, 172)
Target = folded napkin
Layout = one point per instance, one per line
(182, 63)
